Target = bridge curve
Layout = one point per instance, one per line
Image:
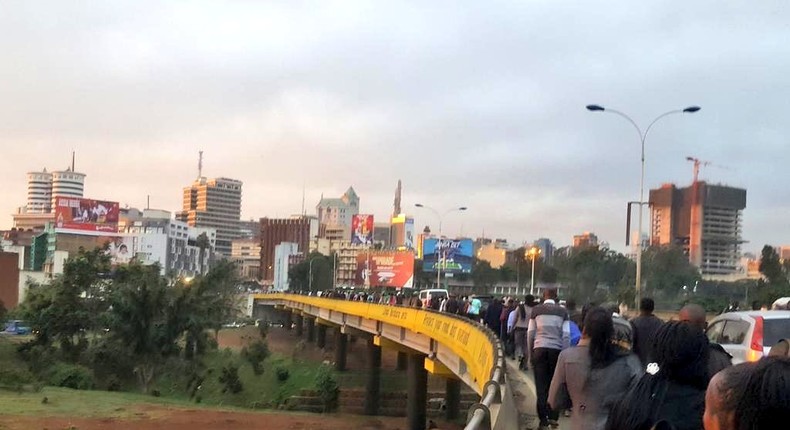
(452, 347)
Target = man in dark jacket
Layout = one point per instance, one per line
(719, 359)
(492, 315)
(452, 305)
(645, 327)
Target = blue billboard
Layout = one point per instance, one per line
(455, 255)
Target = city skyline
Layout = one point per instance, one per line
(468, 105)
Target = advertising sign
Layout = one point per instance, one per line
(386, 269)
(85, 214)
(455, 255)
(408, 243)
(362, 229)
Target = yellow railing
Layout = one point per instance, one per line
(469, 341)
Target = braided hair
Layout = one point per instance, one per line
(681, 356)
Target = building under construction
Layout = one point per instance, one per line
(705, 220)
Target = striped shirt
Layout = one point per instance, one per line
(549, 327)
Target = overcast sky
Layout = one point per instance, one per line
(477, 104)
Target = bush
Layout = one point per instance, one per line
(15, 378)
(283, 374)
(70, 376)
(111, 362)
(327, 388)
(256, 353)
(40, 358)
(230, 379)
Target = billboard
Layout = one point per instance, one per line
(385, 269)
(455, 255)
(408, 242)
(76, 213)
(362, 229)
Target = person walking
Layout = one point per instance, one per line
(645, 327)
(517, 326)
(492, 316)
(718, 358)
(673, 387)
(474, 309)
(548, 334)
(593, 376)
(504, 314)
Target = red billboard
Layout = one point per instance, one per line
(386, 269)
(76, 213)
(362, 229)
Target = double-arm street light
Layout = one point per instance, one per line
(439, 240)
(533, 253)
(642, 137)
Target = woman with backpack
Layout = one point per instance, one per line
(593, 376)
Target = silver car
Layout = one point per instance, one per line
(748, 336)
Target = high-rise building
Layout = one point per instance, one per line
(214, 203)
(42, 189)
(495, 253)
(67, 183)
(703, 219)
(546, 249)
(297, 230)
(282, 259)
(336, 213)
(39, 192)
(585, 240)
(402, 232)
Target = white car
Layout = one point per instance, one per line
(748, 336)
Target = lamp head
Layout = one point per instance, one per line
(419, 205)
(691, 109)
(597, 108)
(462, 208)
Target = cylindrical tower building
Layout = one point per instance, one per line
(39, 192)
(67, 184)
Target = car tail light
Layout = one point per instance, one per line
(756, 350)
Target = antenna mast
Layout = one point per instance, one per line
(200, 165)
(73, 158)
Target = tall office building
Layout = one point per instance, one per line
(42, 189)
(39, 192)
(705, 220)
(276, 231)
(546, 249)
(336, 213)
(214, 203)
(67, 183)
(585, 240)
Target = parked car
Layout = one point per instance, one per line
(748, 336)
(17, 327)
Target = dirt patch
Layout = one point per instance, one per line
(152, 417)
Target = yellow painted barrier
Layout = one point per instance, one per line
(466, 339)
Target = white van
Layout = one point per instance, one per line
(425, 296)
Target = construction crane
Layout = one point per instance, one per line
(697, 163)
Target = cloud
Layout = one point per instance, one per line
(468, 103)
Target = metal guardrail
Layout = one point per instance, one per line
(479, 416)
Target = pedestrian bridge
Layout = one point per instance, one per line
(442, 344)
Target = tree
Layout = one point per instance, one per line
(667, 271)
(300, 274)
(203, 243)
(483, 275)
(141, 301)
(72, 305)
(771, 266)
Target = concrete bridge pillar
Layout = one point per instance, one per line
(320, 340)
(417, 394)
(341, 345)
(288, 320)
(373, 387)
(403, 361)
(299, 320)
(453, 399)
(310, 329)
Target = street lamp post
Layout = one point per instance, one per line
(310, 281)
(439, 240)
(533, 252)
(642, 137)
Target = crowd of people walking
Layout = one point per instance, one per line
(611, 373)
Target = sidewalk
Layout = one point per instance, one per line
(523, 386)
